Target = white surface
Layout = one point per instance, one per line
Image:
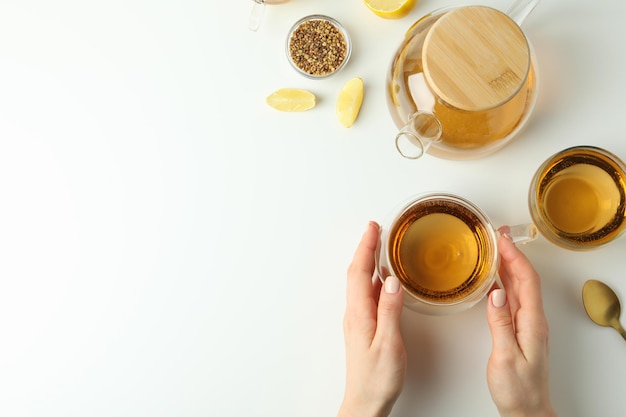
(171, 246)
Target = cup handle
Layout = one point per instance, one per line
(379, 244)
(522, 233)
(381, 271)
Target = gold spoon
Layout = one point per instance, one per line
(602, 305)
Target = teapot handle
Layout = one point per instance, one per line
(422, 130)
(520, 10)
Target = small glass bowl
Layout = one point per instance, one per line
(323, 65)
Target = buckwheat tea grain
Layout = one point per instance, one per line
(317, 47)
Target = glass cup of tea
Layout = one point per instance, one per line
(577, 198)
(444, 251)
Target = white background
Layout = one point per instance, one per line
(172, 246)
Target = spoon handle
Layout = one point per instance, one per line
(256, 15)
(621, 331)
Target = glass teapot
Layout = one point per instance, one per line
(463, 83)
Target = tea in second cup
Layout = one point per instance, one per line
(577, 198)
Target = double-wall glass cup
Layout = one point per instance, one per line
(577, 198)
(444, 250)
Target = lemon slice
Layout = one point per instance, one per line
(390, 9)
(291, 100)
(349, 102)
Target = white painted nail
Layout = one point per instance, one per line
(498, 298)
(392, 285)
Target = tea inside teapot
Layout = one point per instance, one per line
(470, 68)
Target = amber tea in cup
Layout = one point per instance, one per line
(577, 198)
(443, 249)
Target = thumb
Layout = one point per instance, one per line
(390, 308)
(500, 322)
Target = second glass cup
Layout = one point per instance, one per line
(577, 198)
(444, 251)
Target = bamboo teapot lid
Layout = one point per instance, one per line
(475, 58)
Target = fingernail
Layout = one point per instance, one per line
(505, 232)
(498, 298)
(392, 285)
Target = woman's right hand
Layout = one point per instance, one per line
(517, 371)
